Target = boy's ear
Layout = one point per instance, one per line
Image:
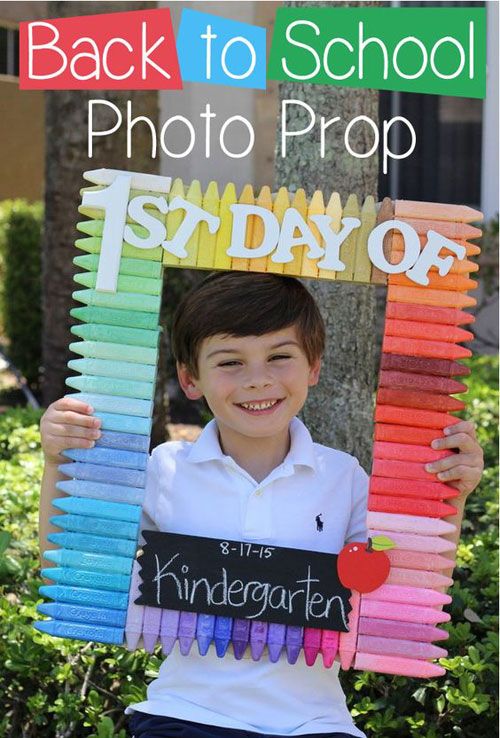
(314, 371)
(188, 383)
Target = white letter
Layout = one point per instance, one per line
(271, 231)
(194, 216)
(461, 53)
(396, 52)
(287, 241)
(471, 50)
(209, 36)
(429, 256)
(385, 141)
(146, 53)
(333, 241)
(362, 46)
(250, 131)
(105, 53)
(301, 46)
(411, 243)
(207, 114)
(131, 123)
(157, 230)
(325, 58)
(284, 132)
(374, 129)
(323, 127)
(94, 55)
(253, 58)
(109, 131)
(51, 45)
(192, 135)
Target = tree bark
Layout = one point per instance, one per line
(339, 411)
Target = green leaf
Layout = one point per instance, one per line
(382, 543)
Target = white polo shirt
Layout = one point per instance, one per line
(195, 489)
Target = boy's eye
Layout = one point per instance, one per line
(229, 363)
(280, 356)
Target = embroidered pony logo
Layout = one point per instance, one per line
(319, 523)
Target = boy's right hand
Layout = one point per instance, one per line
(67, 423)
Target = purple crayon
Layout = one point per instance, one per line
(151, 627)
(204, 632)
(258, 638)
(222, 634)
(240, 637)
(135, 613)
(293, 640)
(187, 631)
(275, 640)
(169, 628)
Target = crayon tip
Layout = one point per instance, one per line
(177, 188)
(185, 645)
(52, 555)
(203, 645)
(45, 626)
(212, 192)
(46, 608)
(194, 193)
(167, 644)
(229, 194)
(274, 651)
(221, 646)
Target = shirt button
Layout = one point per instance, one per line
(258, 492)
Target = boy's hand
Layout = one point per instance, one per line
(67, 423)
(462, 470)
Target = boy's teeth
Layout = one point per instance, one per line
(258, 405)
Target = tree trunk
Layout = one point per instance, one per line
(339, 411)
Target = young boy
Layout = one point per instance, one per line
(251, 346)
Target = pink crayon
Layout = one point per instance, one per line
(329, 647)
(408, 613)
(312, 644)
(397, 665)
(399, 647)
(135, 613)
(415, 542)
(408, 595)
(407, 631)
(409, 524)
(347, 641)
(417, 578)
(187, 631)
(408, 452)
(169, 628)
(258, 638)
(412, 560)
(151, 627)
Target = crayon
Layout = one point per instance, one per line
(424, 365)
(86, 560)
(146, 182)
(329, 647)
(264, 200)
(101, 491)
(124, 441)
(427, 331)
(223, 241)
(85, 596)
(119, 300)
(81, 631)
(428, 296)
(240, 637)
(409, 524)
(293, 642)
(115, 403)
(258, 638)
(401, 470)
(400, 647)
(246, 198)
(404, 612)
(222, 634)
(408, 452)
(419, 347)
(397, 665)
(109, 456)
(419, 560)
(420, 382)
(417, 542)
(187, 631)
(95, 526)
(276, 635)
(173, 220)
(407, 416)
(94, 544)
(116, 334)
(458, 267)
(397, 629)
(362, 262)
(437, 210)
(385, 213)
(334, 211)
(115, 352)
(406, 434)
(204, 631)
(151, 627)
(101, 473)
(98, 508)
(454, 282)
(281, 203)
(137, 285)
(118, 369)
(120, 318)
(169, 628)
(416, 578)
(404, 506)
(294, 267)
(112, 386)
(195, 197)
(125, 423)
(206, 250)
(408, 595)
(425, 401)
(82, 578)
(411, 488)
(129, 267)
(450, 229)
(316, 207)
(93, 244)
(135, 613)
(470, 250)
(428, 314)
(348, 641)
(348, 248)
(83, 614)
(312, 644)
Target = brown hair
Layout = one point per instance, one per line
(245, 304)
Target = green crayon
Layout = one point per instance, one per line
(130, 267)
(93, 245)
(118, 369)
(138, 285)
(109, 316)
(96, 228)
(114, 334)
(113, 386)
(119, 300)
(102, 350)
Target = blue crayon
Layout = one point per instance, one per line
(97, 544)
(119, 369)
(81, 631)
(112, 386)
(222, 634)
(108, 456)
(83, 614)
(204, 632)
(101, 473)
(92, 561)
(124, 441)
(101, 491)
(115, 352)
(80, 577)
(276, 635)
(96, 526)
(115, 403)
(240, 637)
(258, 638)
(85, 596)
(187, 631)
(125, 423)
(294, 641)
(98, 508)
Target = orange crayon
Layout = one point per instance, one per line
(427, 313)
(453, 282)
(413, 416)
(436, 211)
(459, 266)
(420, 382)
(421, 489)
(429, 331)
(448, 228)
(424, 400)
(418, 347)
(405, 434)
(471, 249)
(428, 296)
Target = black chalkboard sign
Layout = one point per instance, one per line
(242, 580)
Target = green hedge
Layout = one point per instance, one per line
(54, 688)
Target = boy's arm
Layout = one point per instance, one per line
(48, 492)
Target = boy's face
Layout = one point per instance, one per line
(254, 385)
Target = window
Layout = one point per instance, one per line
(9, 51)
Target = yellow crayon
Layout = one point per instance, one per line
(246, 198)
(206, 249)
(334, 211)
(362, 263)
(316, 207)
(386, 212)
(280, 204)
(194, 195)
(223, 241)
(295, 267)
(264, 200)
(173, 221)
(348, 248)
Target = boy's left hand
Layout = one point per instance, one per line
(462, 470)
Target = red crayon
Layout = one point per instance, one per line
(420, 382)
(406, 434)
(400, 470)
(423, 400)
(427, 331)
(396, 629)
(419, 560)
(404, 506)
(413, 416)
(418, 347)
(428, 313)
(408, 452)
(411, 488)
(424, 365)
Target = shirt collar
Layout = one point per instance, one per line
(301, 453)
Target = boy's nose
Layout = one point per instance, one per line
(258, 378)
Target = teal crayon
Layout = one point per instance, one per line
(129, 267)
(136, 285)
(112, 386)
(96, 526)
(101, 473)
(83, 614)
(85, 596)
(114, 403)
(114, 351)
(109, 456)
(82, 578)
(116, 334)
(113, 368)
(110, 316)
(125, 423)
(124, 441)
(102, 491)
(93, 561)
(98, 508)
(97, 544)
(81, 631)
(119, 300)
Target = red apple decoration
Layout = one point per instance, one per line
(362, 567)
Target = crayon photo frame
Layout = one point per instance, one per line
(420, 250)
